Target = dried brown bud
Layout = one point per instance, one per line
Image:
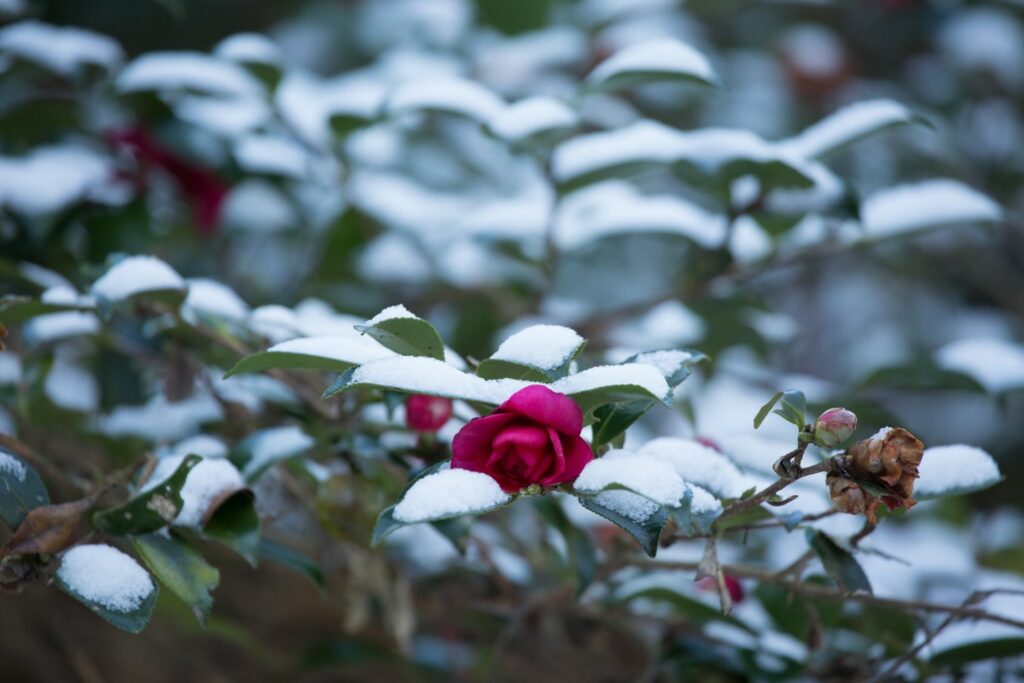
(849, 497)
(884, 465)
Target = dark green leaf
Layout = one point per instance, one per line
(690, 521)
(793, 408)
(15, 310)
(491, 368)
(386, 525)
(614, 419)
(133, 622)
(19, 494)
(259, 451)
(181, 569)
(996, 648)
(581, 551)
(271, 360)
(839, 563)
(681, 369)
(236, 525)
(407, 336)
(762, 413)
(275, 552)
(646, 533)
(632, 78)
(686, 606)
(921, 376)
(152, 510)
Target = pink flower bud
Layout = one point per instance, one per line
(834, 426)
(732, 585)
(427, 413)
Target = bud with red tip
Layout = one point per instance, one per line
(427, 413)
(732, 585)
(834, 426)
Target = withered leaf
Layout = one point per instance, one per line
(48, 529)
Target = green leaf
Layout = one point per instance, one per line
(646, 533)
(274, 360)
(591, 399)
(690, 521)
(259, 451)
(19, 493)
(15, 310)
(582, 556)
(635, 77)
(686, 606)
(682, 362)
(839, 563)
(407, 336)
(133, 622)
(762, 413)
(386, 522)
(237, 525)
(793, 408)
(491, 368)
(181, 569)
(293, 559)
(152, 510)
(997, 648)
(614, 419)
(921, 376)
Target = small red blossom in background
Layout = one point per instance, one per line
(732, 584)
(200, 186)
(532, 438)
(427, 413)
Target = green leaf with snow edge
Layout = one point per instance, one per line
(236, 525)
(278, 360)
(406, 336)
(955, 470)
(675, 364)
(133, 621)
(151, 510)
(180, 568)
(850, 125)
(646, 532)
(259, 451)
(14, 310)
(517, 357)
(656, 61)
(21, 489)
(840, 565)
(771, 173)
(691, 520)
(491, 368)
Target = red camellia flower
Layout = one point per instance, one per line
(532, 438)
(427, 413)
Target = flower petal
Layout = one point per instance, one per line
(546, 407)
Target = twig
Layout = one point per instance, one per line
(772, 489)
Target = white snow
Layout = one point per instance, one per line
(546, 347)
(652, 478)
(703, 501)
(70, 386)
(846, 125)
(394, 258)
(668, 362)
(200, 444)
(56, 326)
(947, 470)
(880, 434)
(699, 464)
(449, 493)
(996, 364)
(51, 178)
(10, 368)
(161, 420)
(346, 349)
(663, 57)
(643, 141)
(12, 466)
(630, 505)
(453, 95)
(627, 374)
(422, 375)
(228, 116)
(273, 154)
(188, 71)
(62, 49)
(667, 324)
(271, 445)
(531, 117)
(615, 207)
(391, 313)
(249, 47)
(985, 38)
(275, 322)
(136, 275)
(926, 204)
(208, 481)
(106, 576)
(209, 297)
(258, 207)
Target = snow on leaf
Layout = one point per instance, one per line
(667, 324)
(193, 71)
(699, 464)
(847, 125)
(630, 505)
(272, 154)
(655, 60)
(652, 478)
(51, 178)
(12, 466)
(616, 208)
(136, 275)
(57, 326)
(254, 48)
(208, 482)
(106, 576)
(645, 377)
(266, 447)
(62, 49)
(209, 298)
(448, 95)
(927, 204)
(314, 353)
(545, 347)
(954, 470)
(391, 313)
(160, 419)
(532, 118)
(996, 364)
(449, 493)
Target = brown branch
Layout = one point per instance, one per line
(771, 490)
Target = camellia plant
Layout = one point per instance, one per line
(604, 423)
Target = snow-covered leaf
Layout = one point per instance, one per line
(654, 61)
(536, 353)
(21, 489)
(180, 569)
(333, 354)
(699, 464)
(15, 310)
(641, 518)
(848, 125)
(696, 511)
(449, 95)
(653, 479)
(62, 49)
(404, 333)
(674, 364)
(139, 276)
(110, 583)
(534, 120)
(191, 71)
(152, 509)
(996, 364)
(955, 470)
(923, 205)
(258, 451)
